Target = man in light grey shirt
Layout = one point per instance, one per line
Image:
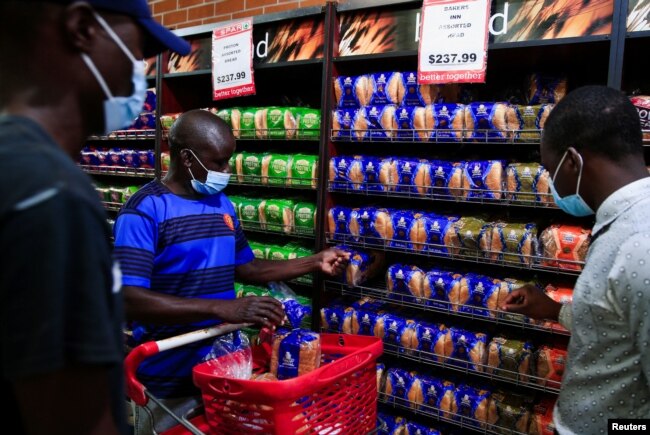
(592, 143)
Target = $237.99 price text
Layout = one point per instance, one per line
(231, 77)
(452, 58)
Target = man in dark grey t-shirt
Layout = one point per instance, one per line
(68, 69)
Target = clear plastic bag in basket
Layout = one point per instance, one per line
(231, 356)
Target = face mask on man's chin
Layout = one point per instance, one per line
(120, 112)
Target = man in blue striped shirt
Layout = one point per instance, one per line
(180, 246)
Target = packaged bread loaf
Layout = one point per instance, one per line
(392, 325)
(485, 179)
(377, 173)
(479, 289)
(514, 242)
(528, 182)
(438, 394)
(338, 219)
(533, 119)
(445, 121)
(385, 87)
(419, 232)
(440, 233)
(564, 246)
(469, 349)
(362, 266)
(365, 321)
(249, 165)
(413, 176)
(232, 117)
(475, 404)
(407, 340)
(433, 341)
(546, 89)
(250, 213)
(304, 217)
(541, 421)
(472, 235)
(510, 358)
(511, 411)
(381, 378)
(343, 123)
(398, 383)
(642, 104)
(275, 123)
(275, 169)
(352, 91)
(339, 172)
(389, 424)
(413, 93)
(514, 122)
(168, 119)
(410, 122)
(412, 428)
(308, 122)
(405, 280)
(247, 125)
(402, 221)
(332, 317)
(295, 353)
(303, 171)
(379, 122)
(438, 284)
(550, 365)
(374, 225)
(486, 121)
(446, 179)
(277, 215)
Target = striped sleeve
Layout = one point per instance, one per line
(135, 242)
(243, 252)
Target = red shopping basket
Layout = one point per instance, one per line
(340, 397)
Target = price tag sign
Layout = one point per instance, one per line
(453, 41)
(232, 60)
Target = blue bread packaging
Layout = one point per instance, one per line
(447, 121)
(410, 121)
(473, 405)
(384, 87)
(440, 234)
(469, 349)
(401, 221)
(438, 394)
(406, 280)
(343, 123)
(486, 121)
(351, 91)
(295, 353)
(438, 284)
(480, 289)
(398, 383)
(485, 178)
(339, 223)
(380, 121)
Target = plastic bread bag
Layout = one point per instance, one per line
(231, 356)
(294, 310)
(295, 353)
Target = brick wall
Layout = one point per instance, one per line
(177, 14)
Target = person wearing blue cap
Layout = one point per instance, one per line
(69, 69)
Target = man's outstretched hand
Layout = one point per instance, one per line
(531, 301)
(333, 261)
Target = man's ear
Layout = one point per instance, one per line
(186, 158)
(575, 160)
(80, 26)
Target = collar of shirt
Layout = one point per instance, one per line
(620, 201)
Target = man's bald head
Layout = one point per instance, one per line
(202, 132)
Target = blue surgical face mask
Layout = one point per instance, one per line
(214, 183)
(120, 112)
(571, 204)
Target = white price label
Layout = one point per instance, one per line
(232, 60)
(453, 42)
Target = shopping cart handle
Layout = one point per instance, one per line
(134, 388)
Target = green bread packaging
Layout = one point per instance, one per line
(277, 215)
(304, 217)
(232, 117)
(308, 122)
(249, 167)
(247, 123)
(259, 250)
(275, 168)
(278, 253)
(249, 212)
(303, 171)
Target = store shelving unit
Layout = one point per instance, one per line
(182, 84)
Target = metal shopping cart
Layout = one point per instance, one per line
(339, 398)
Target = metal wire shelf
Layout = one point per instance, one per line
(497, 317)
(273, 181)
(119, 171)
(280, 229)
(126, 135)
(435, 193)
(513, 137)
(457, 420)
(483, 370)
(430, 250)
